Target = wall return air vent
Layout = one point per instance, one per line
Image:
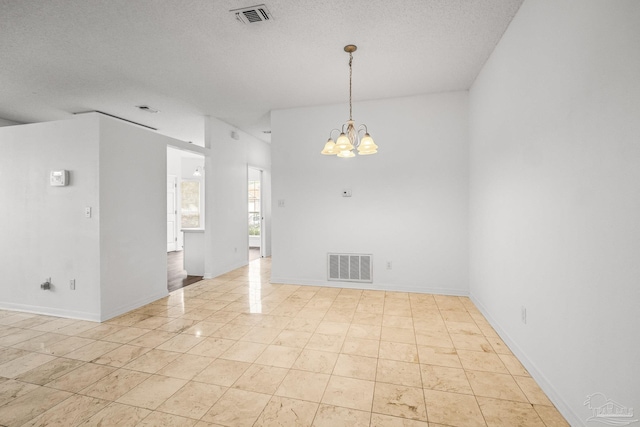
(253, 14)
(350, 267)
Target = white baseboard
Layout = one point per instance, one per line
(51, 311)
(544, 383)
(219, 271)
(132, 306)
(369, 286)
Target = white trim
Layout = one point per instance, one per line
(531, 367)
(262, 213)
(176, 229)
(370, 286)
(51, 311)
(132, 306)
(223, 270)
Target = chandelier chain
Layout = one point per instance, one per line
(350, 75)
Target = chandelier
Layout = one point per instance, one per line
(349, 138)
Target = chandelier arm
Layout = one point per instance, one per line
(331, 133)
(363, 127)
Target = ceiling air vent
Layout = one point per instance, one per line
(253, 14)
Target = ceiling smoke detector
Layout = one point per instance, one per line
(252, 14)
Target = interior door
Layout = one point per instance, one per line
(172, 213)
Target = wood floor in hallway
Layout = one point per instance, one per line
(177, 277)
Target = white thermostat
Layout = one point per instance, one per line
(59, 178)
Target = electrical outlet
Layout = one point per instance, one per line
(389, 265)
(72, 284)
(523, 314)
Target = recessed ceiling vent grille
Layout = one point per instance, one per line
(253, 14)
(350, 267)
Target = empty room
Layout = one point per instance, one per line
(415, 213)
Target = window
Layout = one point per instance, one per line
(254, 208)
(190, 207)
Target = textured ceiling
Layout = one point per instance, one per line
(191, 58)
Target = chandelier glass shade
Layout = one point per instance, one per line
(349, 139)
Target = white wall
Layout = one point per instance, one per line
(43, 228)
(409, 202)
(555, 196)
(174, 162)
(226, 228)
(133, 222)
(5, 122)
(118, 256)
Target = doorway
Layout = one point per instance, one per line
(185, 199)
(255, 214)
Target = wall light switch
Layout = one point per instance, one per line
(87, 212)
(346, 192)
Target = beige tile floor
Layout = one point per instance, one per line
(240, 351)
